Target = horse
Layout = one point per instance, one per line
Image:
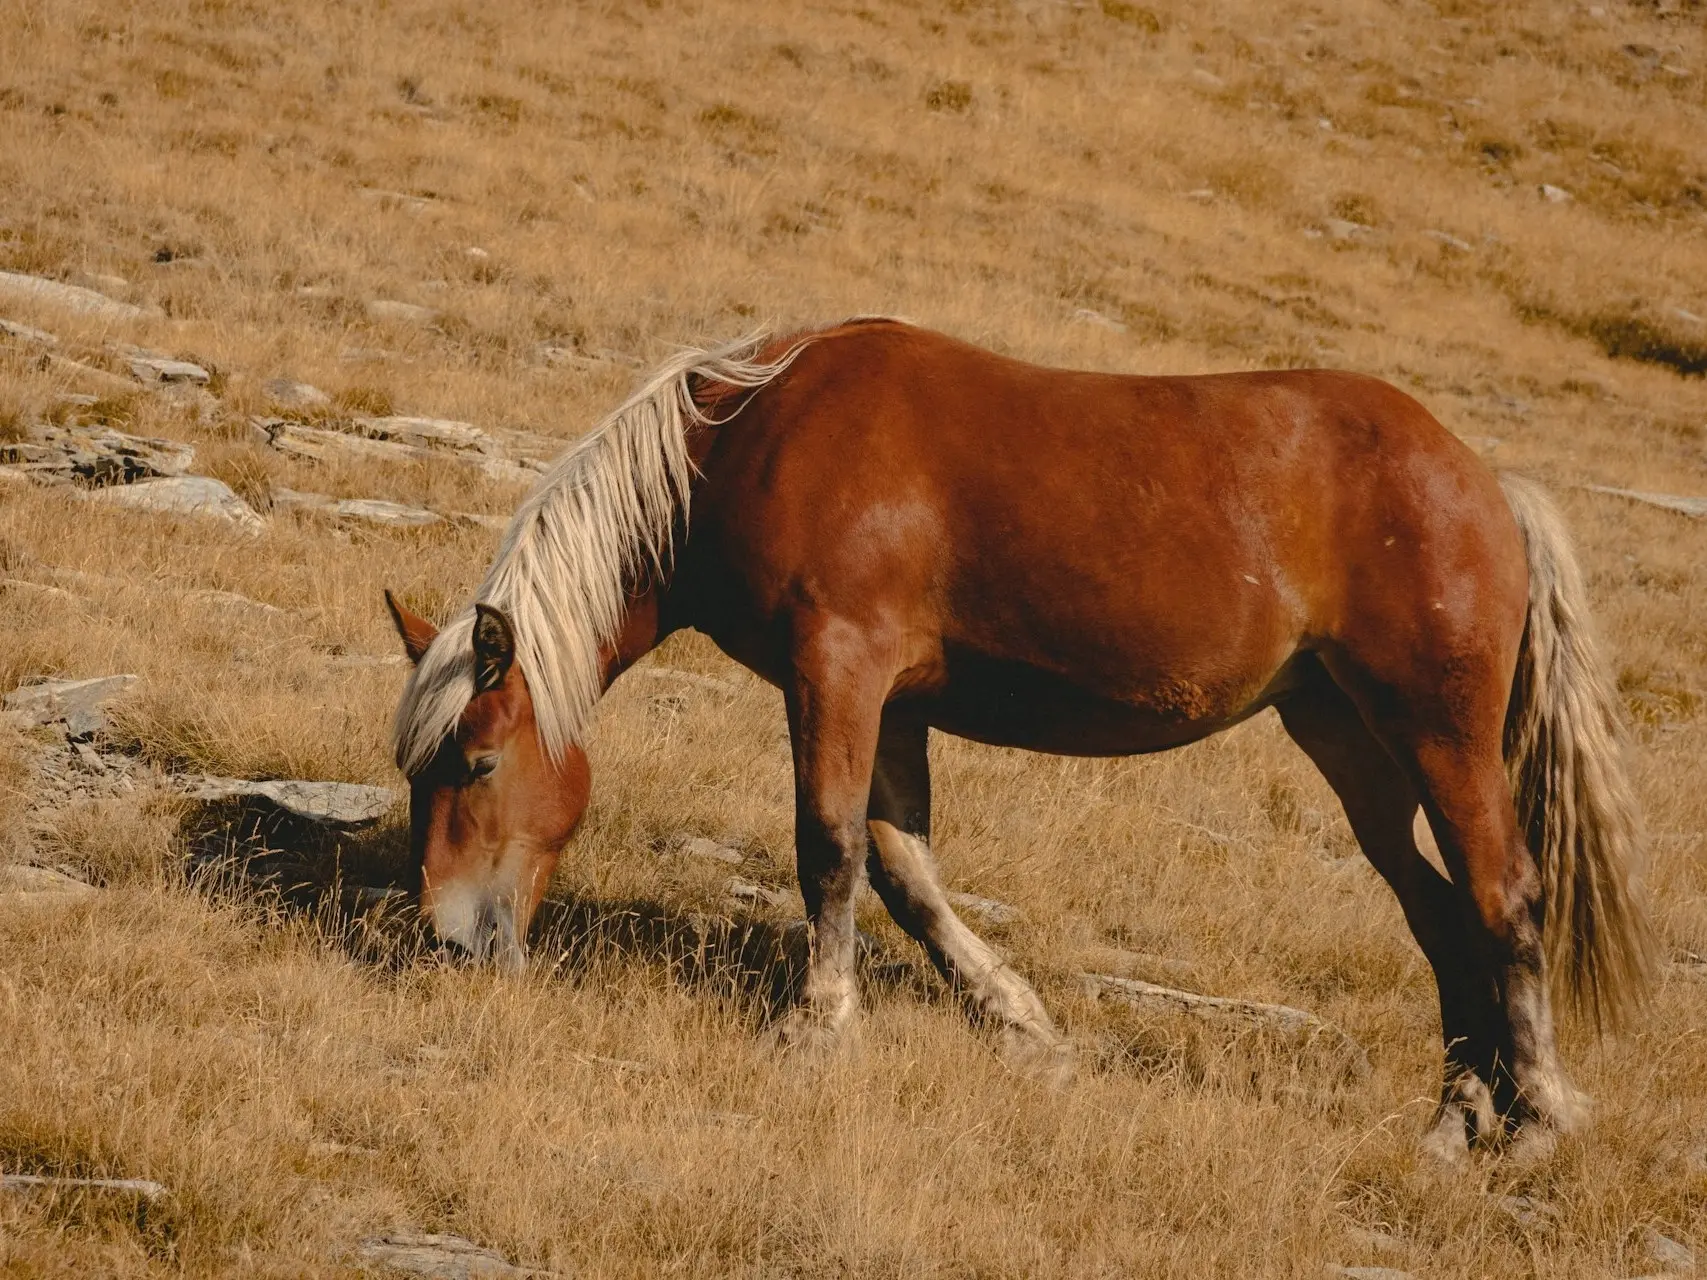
(902, 531)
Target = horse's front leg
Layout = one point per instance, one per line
(904, 874)
(835, 704)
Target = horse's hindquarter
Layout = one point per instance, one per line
(1072, 562)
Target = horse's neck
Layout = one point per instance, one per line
(638, 636)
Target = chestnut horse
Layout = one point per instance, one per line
(901, 532)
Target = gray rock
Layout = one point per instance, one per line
(149, 368)
(436, 1257)
(427, 433)
(291, 394)
(98, 455)
(389, 309)
(75, 703)
(87, 375)
(38, 1182)
(687, 846)
(391, 515)
(1085, 315)
(1148, 996)
(67, 297)
(27, 333)
(411, 440)
(184, 496)
(20, 882)
(1667, 1252)
(989, 910)
(1376, 1241)
(711, 684)
(1208, 79)
(336, 804)
(1555, 195)
(1683, 505)
(1527, 1211)
(1449, 240)
(746, 891)
(1345, 229)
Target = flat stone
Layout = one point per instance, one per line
(1555, 195)
(1378, 1241)
(99, 455)
(27, 333)
(108, 384)
(688, 846)
(1527, 1211)
(19, 882)
(336, 804)
(1333, 1269)
(436, 1257)
(320, 443)
(711, 684)
(291, 394)
(427, 433)
(1121, 963)
(1208, 79)
(1449, 240)
(988, 910)
(746, 891)
(67, 297)
(389, 309)
(1670, 1254)
(1085, 315)
(1680, 503)
(377, 511)
(1345, 229)
(183, 496)
(76, 703)
(162, 369)
(1151, 997)
(38, 1182)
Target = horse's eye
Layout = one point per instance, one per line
(481, 767)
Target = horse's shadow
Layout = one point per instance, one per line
(355, 888)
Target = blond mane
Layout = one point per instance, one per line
(603, 512)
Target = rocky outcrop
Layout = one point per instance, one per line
(200, 496)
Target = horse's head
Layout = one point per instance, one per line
(490, 812)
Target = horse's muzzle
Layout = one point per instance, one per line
(480, 928)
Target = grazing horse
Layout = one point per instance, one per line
(902, 531)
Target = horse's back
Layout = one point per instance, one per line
(1165, 541)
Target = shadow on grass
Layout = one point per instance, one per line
(358, 887)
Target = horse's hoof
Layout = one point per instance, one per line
(1446, 1143)
(1049, 1059)
(806, 1034)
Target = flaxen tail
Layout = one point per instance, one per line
(1564, 750)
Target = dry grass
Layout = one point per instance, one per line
(640, 176)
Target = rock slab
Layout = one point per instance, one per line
(336, 804)
(437, 1257)
(78, 704)
(98, 456)
(22, 881)
(39, 1182)
(1683, 504)
(67, 297)
(1149, 996)
(184, 496)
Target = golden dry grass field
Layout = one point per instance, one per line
(1146, 187)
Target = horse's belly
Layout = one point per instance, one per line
(1013, 705)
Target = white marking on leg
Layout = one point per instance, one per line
(995, 989)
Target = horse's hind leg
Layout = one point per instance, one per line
(904, 874)
(1381, 804)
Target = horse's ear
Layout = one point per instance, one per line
(416, 631)
(494, 647)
